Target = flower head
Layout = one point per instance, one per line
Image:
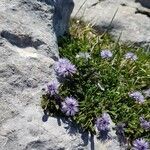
(137, 96)
(63, 67)
(140, 144)
(103, 122)
(70, 106)
(53, 87)
(131, 56)
(106, 54)
(144, 123)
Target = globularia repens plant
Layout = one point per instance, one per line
(102, 80)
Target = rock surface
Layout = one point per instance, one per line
(28, 48)
(130, 19)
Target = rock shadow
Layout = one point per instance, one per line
(21, 41)
(104, 136)
(62, 13)
(73, 129)
(108, 27)
(144, 3)
(45, 116)
(120, 132)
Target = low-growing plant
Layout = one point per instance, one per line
(101, 80)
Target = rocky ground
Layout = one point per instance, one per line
(28, 49)
(129, 19)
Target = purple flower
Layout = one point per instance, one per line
(53, 87)
(63, 67)
(144, 123)
(70, 106)
(137, 96)
(140, 144)
(103, 122)
(106, 54)
(131, 56)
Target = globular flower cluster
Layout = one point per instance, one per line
(131, 56)
(53, 88)
(63, 67)
(140, 144)
(70, 106)
(144, 123)
(137, 96)
(106, 54)
(103, 122)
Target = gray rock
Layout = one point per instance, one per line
(120, 17)
(28, 48)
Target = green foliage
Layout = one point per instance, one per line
(103, 85)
